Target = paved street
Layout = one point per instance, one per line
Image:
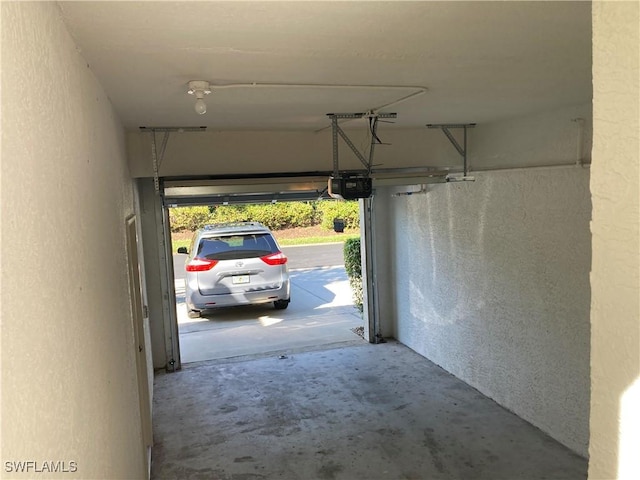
(321, 312)
(309, 256)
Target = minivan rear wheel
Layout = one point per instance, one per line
(281, 304)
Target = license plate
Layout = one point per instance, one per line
(240, 279)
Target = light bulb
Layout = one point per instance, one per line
(200, 107)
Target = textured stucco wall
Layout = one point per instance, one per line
(69, 388)
(615, 275)
(546, 138)
(492, 283)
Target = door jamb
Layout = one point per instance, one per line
(137, 312)
(165, 262)
(371, 310)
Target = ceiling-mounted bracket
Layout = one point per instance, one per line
(461, 150)
(158, 156)
(336, 130)
(350, 187)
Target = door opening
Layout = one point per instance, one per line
(321, 310)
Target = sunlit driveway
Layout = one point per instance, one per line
(321, 312)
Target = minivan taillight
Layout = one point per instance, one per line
(200, 265)
(277, 258)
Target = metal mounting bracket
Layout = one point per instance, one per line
(461, 150)
(336, 130)
(158, 156)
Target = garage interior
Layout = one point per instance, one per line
(503, 258)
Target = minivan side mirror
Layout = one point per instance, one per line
(183, 250)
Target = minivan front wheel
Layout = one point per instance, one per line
(281, 304)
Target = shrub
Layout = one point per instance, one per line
(188, 218)
(229, 213)
(283, 215)
(353, 267)
(275, 216)
(348, 210)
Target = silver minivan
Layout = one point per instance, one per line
(234, 264)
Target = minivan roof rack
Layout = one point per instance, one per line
(213, 226)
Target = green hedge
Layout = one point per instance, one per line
(349, 211)
(283, 215)
(276, 216)
(353, 267)
(228, 213)
(188, 218)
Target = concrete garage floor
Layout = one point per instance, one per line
(358, 412)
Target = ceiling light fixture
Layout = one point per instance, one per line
(199, 88)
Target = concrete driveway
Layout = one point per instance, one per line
(321, 312)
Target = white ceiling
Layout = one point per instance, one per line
(480, 61)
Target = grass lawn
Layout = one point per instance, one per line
(292, 236)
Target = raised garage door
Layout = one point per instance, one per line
(223, 191)
(278, 188)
